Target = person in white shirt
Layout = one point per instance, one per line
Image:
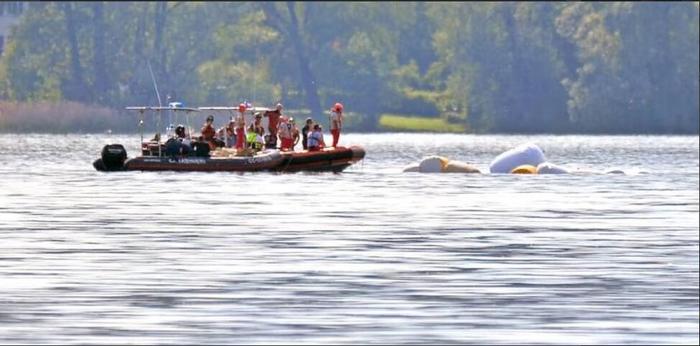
(336, 122)
(316, 142)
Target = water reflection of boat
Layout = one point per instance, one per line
(156, 156)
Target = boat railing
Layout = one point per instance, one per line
(173, 107)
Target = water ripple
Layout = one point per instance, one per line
(370, 256)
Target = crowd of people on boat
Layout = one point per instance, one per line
(235, 134)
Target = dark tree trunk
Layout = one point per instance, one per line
(101, 76)
(158, 47)
(663, 67)
(77, 90)
(138, 88)
(516, 116)
(290, 30)
(307, 78)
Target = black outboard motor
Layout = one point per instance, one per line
(172, 147)
(113, 157)
(201, 149)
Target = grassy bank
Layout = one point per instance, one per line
(70, 117)
(62, 117)
(392, 122)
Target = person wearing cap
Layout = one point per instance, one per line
(336, 122)
(316, 142)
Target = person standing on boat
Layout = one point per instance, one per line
(257, 125)
(185, 143)
(316, 142)
(230, 133)
(336, 122)
(208, 132)
(240, 127)
(273, 118)
(254, 137)
(308, 127)
(285, 133)
(295, 132)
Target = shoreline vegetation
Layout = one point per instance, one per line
(470, 67)
(399, 123)
(63, 117)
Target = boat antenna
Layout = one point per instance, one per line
(141, 125)
(155, 85)
(255, 64)
(255, 78)
(189, 128)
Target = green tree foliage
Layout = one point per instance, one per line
(489, 67)
(501, 66)
(231, 75)
(638, 72)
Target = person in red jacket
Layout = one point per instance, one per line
(273, 119)
(240, 127)
(208, 131)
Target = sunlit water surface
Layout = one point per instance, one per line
(372, 255)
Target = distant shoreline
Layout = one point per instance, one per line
(67, 117)
(375, 132)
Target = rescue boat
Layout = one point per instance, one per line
(114, 158)
(158, 156)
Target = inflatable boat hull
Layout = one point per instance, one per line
(525, 154)
(327, 160)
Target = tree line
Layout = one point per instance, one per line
(557, 67)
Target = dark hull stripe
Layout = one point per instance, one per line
(335, 161)
(199, 164)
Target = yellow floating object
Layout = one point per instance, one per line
(524, 169)
(459, 167)
(443, 162)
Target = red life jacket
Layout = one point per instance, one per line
(208, 132)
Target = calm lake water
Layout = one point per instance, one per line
(372, 255)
